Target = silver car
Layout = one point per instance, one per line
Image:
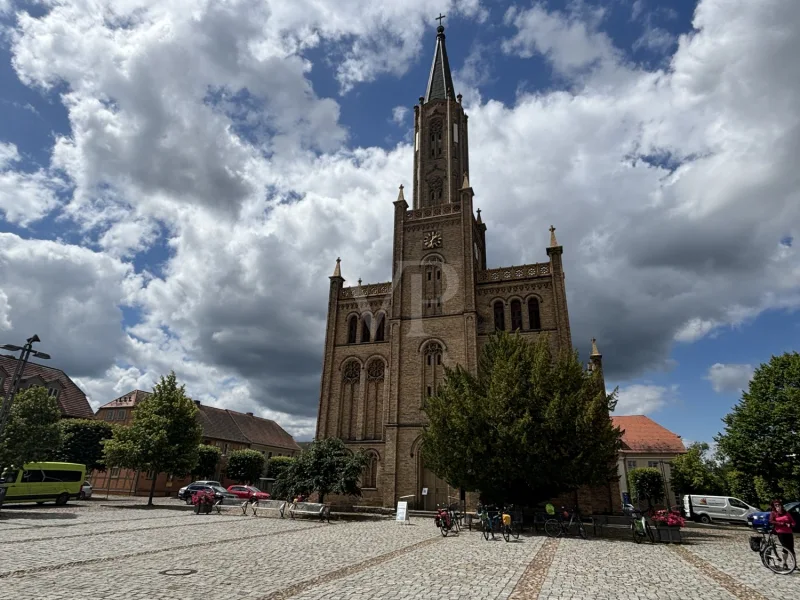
(86, 491)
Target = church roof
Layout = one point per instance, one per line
(440, 81)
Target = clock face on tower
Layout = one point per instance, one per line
(432, 239)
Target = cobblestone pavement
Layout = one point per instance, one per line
(114, 549)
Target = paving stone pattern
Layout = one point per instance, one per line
(51, 553)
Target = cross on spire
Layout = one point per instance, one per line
(439, 18)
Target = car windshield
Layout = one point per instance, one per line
(219, 489)
(791, 505)
(253, 488)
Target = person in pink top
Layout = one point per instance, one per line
(783, 522)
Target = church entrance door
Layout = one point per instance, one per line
(438, 491)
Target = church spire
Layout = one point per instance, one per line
(440, 81)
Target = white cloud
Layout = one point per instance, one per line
(25, 196)
(641, 399)
(650, 178)
(730, 377)
(399, 116)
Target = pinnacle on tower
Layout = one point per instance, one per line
(337, 272)
(595, 351)
(440, 81)
(553, 242)
(400, 196)
(465, 183)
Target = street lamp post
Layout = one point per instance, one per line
(25, 353)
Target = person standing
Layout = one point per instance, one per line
(783, 523)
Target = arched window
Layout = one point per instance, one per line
(435, 187)
(433, 372)
(369, 479)
(348, 402)
(380, 330)
(436, 138)
(534, 319)
(365, 326)
(499, 316)
(352, 329)
(516, 315)
(373, 418)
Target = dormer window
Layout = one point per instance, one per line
(53, 392)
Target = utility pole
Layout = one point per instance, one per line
(25, 353)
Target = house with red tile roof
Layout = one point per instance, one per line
(645, 443)
(71, 399)
(229, 430)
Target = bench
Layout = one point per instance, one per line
(603, 522)
(268, 506)
(234, 505)
(323, 511)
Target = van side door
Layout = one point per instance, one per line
(737, 510)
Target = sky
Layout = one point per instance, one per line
(177, 178)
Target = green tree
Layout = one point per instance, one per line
(164, 436)
(82, 442)
(646, 483)
(207, 460)
(762, 432)
(695, 473)
(741, 486)
(277, 465)
(32, 432)
(525, 429)
(325, 467)
(245, 466)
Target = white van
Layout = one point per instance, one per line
(716, 508)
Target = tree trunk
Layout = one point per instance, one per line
(322, 497)
(152, 489)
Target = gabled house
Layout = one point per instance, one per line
(71, 399)
(645, 443)
(227, 429)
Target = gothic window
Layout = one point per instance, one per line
(433, 371)
(352, 329)
(534, 320)
(436, 138)
(516, 315)
(455, 133)
(373, 417)
(369, 478)
(380, 330)
(499, 316)
(351, 387)
(435, 187)
(432, 286)
(365, 327)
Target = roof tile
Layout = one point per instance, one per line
(642, 434)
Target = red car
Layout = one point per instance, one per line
(248, 492)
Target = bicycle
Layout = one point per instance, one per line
(443, 520)
(455, 515)
(558, 527)
(640, 527)
(508, 529)
(773, 556)
(488, 521)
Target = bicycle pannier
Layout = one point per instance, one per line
(755, 543)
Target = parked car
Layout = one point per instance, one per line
(86, 491)
(248, 492)
(42, 482)
(184, 492)
(220, 493)
(716, 508)
(761, 518)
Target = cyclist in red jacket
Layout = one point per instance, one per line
(783, 522)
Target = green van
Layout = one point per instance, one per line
(43, 482)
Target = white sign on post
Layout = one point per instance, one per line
(402, 510)
(424, 491)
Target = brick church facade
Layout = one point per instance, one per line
(387, 344)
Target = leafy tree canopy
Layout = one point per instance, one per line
(82, 442)
(647, 484)
(278, 464)
(245, 466)
(695, 473)
(164, 436)
(762, 432)
(326, 467)
(525, 429)
(31, 432)
(207, 460)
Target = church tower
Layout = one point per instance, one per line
(387, 344)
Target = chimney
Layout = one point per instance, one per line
(249, 414)
(197, 402)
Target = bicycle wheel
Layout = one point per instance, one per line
(582, 530)
(486, 527)
(506, 533)
(636, 537)
(515, 531)
(773, 558)
(444, 529)
(552, 528)
(649, 531)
